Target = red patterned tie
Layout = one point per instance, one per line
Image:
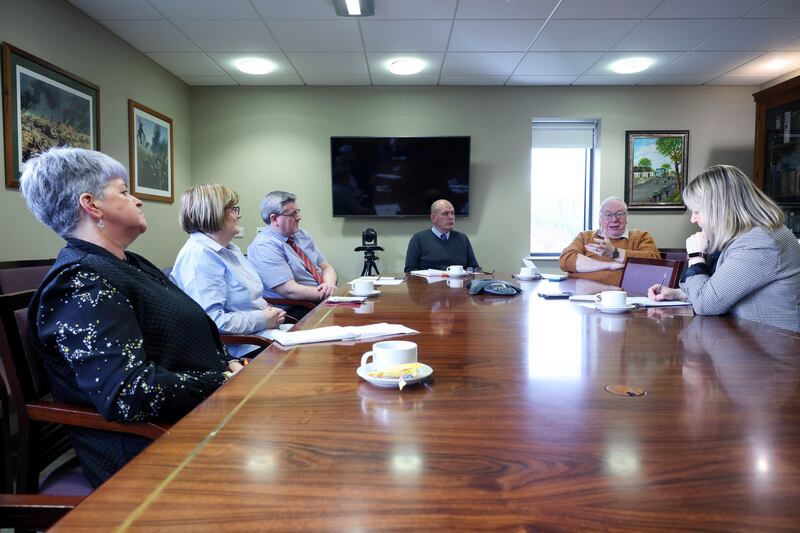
(306, 261)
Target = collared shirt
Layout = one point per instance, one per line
(623, 236)
(276, 262)
(225, 285)
(439, 233)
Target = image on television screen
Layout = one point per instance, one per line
(398, 176)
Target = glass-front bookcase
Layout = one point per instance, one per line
(777, 154)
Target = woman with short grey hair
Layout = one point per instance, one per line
(744, 260)
(113, 332)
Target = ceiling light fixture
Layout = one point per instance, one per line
(406, 66)
(254, 65)
(777, 64)
(630, 65)
(354, 8)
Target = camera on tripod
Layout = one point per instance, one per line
(369, 245)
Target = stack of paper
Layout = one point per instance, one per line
(644, 301)
(345, 299)
(382, 280)
(335, 333)
(430, 273)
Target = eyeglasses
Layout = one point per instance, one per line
(293, 214)
(236, 210)
(618, 214)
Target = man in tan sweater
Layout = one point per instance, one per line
(600, 255)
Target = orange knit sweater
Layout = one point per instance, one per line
(638, 244)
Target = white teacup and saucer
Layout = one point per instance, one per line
(386, 356)
(613, 302)
(363, 287)
(527, 273)
(456, 271)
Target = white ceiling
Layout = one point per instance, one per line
(463, 42)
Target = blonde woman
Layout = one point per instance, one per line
(744, 260)
(214, 272)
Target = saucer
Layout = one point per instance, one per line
(374, 292)
(465, 273)
(526, 278)
(363, 371)
(615, 309)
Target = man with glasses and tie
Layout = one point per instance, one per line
(287, 259)
(600, 255)
(440, 246)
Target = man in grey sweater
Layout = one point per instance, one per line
(440, 246)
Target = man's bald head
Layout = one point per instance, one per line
(443, 215)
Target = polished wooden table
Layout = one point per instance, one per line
(514, 430)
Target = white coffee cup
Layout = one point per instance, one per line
(527, 272)
(612, 299)
(456, 270)
(455, 283)
(387, 354)
(362, 287)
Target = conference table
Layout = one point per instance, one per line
(514, 430)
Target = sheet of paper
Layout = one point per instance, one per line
(382, 280)
(647, 302)
(345, 299)
(333, 333)
(430, 273)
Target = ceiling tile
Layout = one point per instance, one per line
(739, 80)
(473, 80)
(792, 45)
(226, 60)
(321, 64)
(229, 35)
(493, 35)
(777, 9)
(629, 79)
(608, 9)
(187, 63)
(582, 35)
(208, 80)
(499, 9)
(267, 79)
(337, 80)
(480, 63)
(665, 35)
(753, 35)
(404, 80)
(712, 9)
(659, 59)
(415, 9)
(205, 9)
(117, 9)
(317, 35)
(689, 79)
(556, 63)
(379, 64)
(541, 80)
(295, 9)
(151, 35)
(405, 35)
(709, 64)
(772, 65)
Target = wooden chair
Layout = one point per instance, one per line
(640, 274)
(18, 276)
(288, 302)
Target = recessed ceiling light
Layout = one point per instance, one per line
(254, 65)
(406, 66)
(629, 65)
(777, 64)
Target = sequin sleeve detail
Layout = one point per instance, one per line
(94, 328)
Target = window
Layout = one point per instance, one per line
(562, 163)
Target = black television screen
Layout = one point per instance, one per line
(398, 176)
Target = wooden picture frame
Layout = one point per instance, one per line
(152, 175)
(656, 163)
(44, 106)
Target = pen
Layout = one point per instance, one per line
(661, 285)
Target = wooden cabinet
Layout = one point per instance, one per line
(777, 154)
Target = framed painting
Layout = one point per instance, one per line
(44, 106)
(152, 160)
(655, 169)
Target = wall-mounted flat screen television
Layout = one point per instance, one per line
(398, 176)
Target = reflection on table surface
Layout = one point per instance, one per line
(513, 430)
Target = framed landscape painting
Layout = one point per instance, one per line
(44, 106)
(655, 169)
(151, 153)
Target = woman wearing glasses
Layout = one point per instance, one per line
(213, 270)
(744, 260)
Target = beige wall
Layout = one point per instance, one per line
(259, 139)
(60, 34)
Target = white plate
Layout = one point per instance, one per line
(526, 278)
(363, 371)
(375, 292)
(615, 309)
(465, 273)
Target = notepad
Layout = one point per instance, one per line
(336, 333)
(644, 301)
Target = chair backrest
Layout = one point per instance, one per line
(16, 276)
(640, 274)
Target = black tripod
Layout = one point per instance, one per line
(369, 259)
